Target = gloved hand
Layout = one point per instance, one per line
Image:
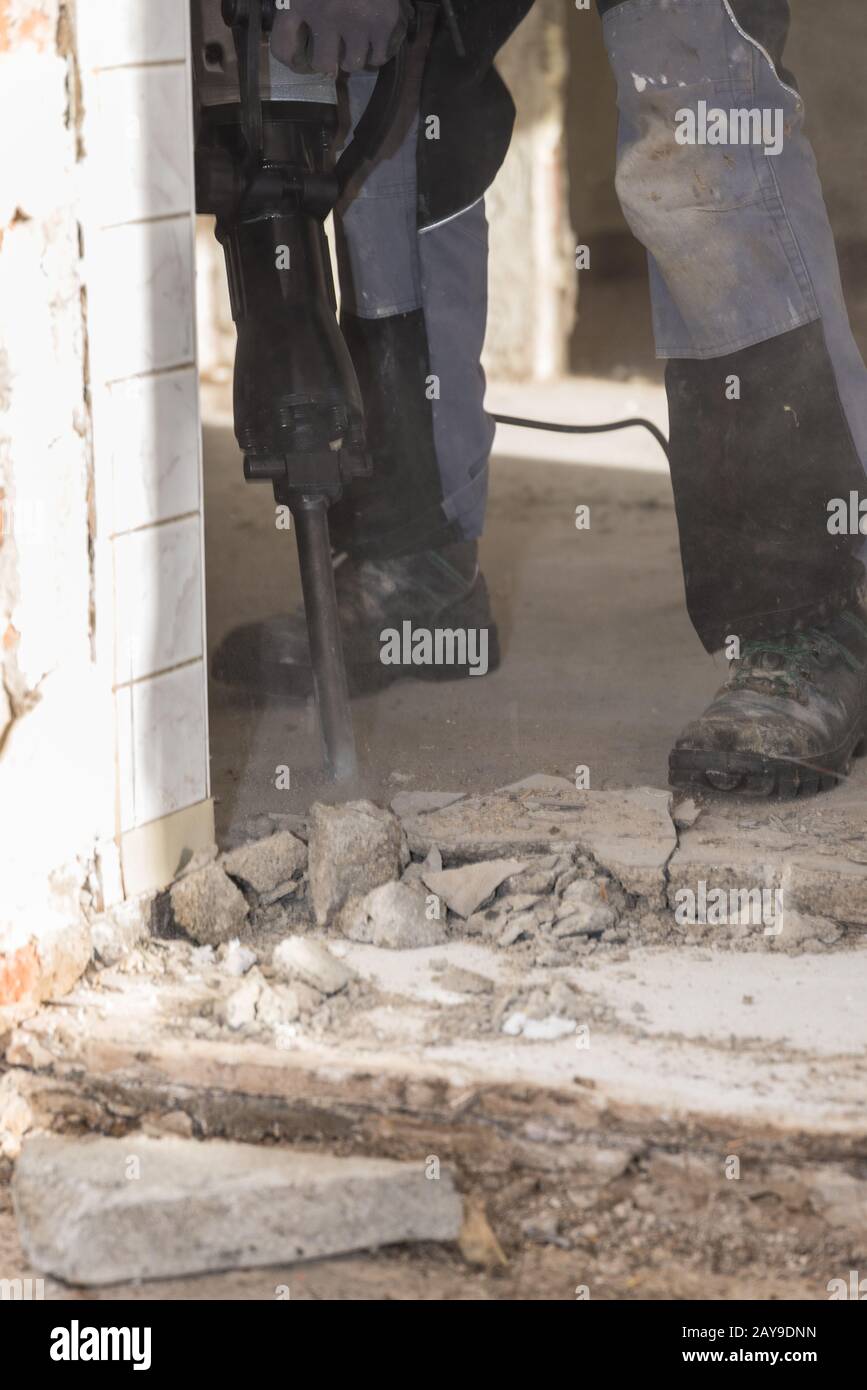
(326, 35)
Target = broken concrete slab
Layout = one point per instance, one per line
(539, 782)
(630, 833)
(415, 803)
(208, 907)
(298, 958)
(394, 915)
(816, 876)
(353, 849)
(200, 1206)
(269, 864)
(464, 890)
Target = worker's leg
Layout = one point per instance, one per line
(414, 312)
(767, 390)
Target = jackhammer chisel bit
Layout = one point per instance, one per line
(265, 138)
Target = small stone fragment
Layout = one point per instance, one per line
(278, 1005)
(238, 1009)
(298, 958)
(236, 959)
(518, 927)
(478, 1244)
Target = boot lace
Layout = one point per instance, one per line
(784, 665)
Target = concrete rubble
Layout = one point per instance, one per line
(630, 832)
(208, 907)
(270, 866)
(353, 849)
(195, 1207)
(366, 969)
(312, 964)
(395, 915)
(464, 890)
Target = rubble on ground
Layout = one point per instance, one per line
(346, 972)
(270, 867)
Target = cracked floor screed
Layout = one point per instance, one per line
(558, 999)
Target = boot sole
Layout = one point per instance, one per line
(751, 775)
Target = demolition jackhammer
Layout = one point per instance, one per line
(265, 167)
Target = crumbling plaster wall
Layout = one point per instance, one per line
(103, 722)
(55, 756)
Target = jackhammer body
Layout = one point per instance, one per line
(265, 167)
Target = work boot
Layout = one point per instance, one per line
(790, 718)
(432, 591)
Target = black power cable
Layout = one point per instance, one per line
(587, 429)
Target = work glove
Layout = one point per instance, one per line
(324, 36)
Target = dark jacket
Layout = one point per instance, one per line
(476, 112)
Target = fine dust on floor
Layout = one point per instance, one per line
(601, 665)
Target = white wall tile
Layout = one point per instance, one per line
(167, 739)
(125, 756)
(139, 144)
(158, 598)
(148, 429)
(111, 32)
(141, 298)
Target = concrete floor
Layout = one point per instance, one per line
(601, 664)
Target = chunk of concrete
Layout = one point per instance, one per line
(120, 929)
(267, 864)
(464, 890)
(202, 1206)
(278, 1005)
(393, 915)
(353, 849)
(630, 833)
(208, 906)
(459, 981)
(297, 958)
(238, 1009)
(584, 910)
(540, 782)
(416, 803)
